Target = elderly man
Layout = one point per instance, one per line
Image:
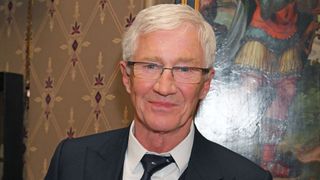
(168, 54)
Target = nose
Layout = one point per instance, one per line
(165, 85)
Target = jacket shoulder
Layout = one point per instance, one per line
(71, 156)
(230, 164)
(96, 140)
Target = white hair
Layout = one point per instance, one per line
(168, 17)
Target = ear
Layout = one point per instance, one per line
(125, 77)
(206, 85)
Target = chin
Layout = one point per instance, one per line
(165, 126)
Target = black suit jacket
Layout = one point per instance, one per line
(101, 157)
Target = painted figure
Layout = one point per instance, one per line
(271, 57)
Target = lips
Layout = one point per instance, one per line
(162, 105)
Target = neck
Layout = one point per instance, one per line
(160, 142)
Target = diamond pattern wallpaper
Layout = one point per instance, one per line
(75, 84)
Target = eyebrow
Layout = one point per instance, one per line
(151, 59)
(187, 60)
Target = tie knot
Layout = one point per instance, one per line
(152, 163)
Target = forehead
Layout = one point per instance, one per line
(178, 45)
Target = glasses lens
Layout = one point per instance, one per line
(152, 71)
(187, 74)
(147, 70)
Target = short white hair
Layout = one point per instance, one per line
(168, 17)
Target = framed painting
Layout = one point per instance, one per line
(264, 102)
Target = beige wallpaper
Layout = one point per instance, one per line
(75, 86)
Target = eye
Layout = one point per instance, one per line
(151, 66)
(183, 69)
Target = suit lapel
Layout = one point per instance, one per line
(107, 161)
(202, 167)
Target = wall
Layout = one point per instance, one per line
(75, 85)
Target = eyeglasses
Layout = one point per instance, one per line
(153, 71)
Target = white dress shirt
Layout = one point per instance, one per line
(133, 170)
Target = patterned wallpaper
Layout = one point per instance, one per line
(75, 83)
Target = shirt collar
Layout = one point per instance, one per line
(135, 150)
(181, 153)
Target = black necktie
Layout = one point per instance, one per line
(152, 163)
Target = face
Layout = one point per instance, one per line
(164, 105)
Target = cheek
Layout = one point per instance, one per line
(140, 89)
(191, 95)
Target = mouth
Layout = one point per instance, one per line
(162, 105)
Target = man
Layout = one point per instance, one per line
(168, 54)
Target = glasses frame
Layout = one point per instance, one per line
(204, 71)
